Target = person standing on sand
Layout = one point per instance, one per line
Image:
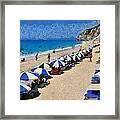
(48, 57)
(54, 51)
(36, 56)
(90, 56)
(80, 48)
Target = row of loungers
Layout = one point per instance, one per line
(94, 93)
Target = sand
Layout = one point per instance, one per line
(73, 83)
(42, 58)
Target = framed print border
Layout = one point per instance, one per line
(65, 2)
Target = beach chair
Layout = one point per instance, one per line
(95, 80)
(92, 94)
(96, 77)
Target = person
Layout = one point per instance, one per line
(36, 56)
(34, 85)
(91, 46)
(54, 51)
(48, 57)
(90, 56)
(34, 89)
(80, 48)
(44, 79)
(23, 60)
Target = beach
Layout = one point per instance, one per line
(73, 83)
(42, 58)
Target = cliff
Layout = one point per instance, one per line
(89, 33)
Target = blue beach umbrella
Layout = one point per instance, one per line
(79, 55)
(43, 65)
(68, 58)
(87, 50)
(41, 71)
(26, 76)
(75, 57)
(24, 88)
(34, 68)
(62, 58)
(58, 63)
(52, 61)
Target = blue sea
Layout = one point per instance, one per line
(29, 47)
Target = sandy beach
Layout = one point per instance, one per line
(73, 83)
(42, 58)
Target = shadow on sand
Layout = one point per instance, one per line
(30, 95)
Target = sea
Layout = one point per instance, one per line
(30, 47)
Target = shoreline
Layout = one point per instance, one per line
(30, 61)
(48, 51)
(42, 58)
(73, 83)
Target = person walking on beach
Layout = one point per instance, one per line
(90, 56)
(36, 56)
(48, 57)
(54, 51)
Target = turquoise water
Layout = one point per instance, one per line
(45, 35)
(28, 47)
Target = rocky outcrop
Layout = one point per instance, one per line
(89, 33)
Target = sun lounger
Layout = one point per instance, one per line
(92, 94)
(95, 79)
